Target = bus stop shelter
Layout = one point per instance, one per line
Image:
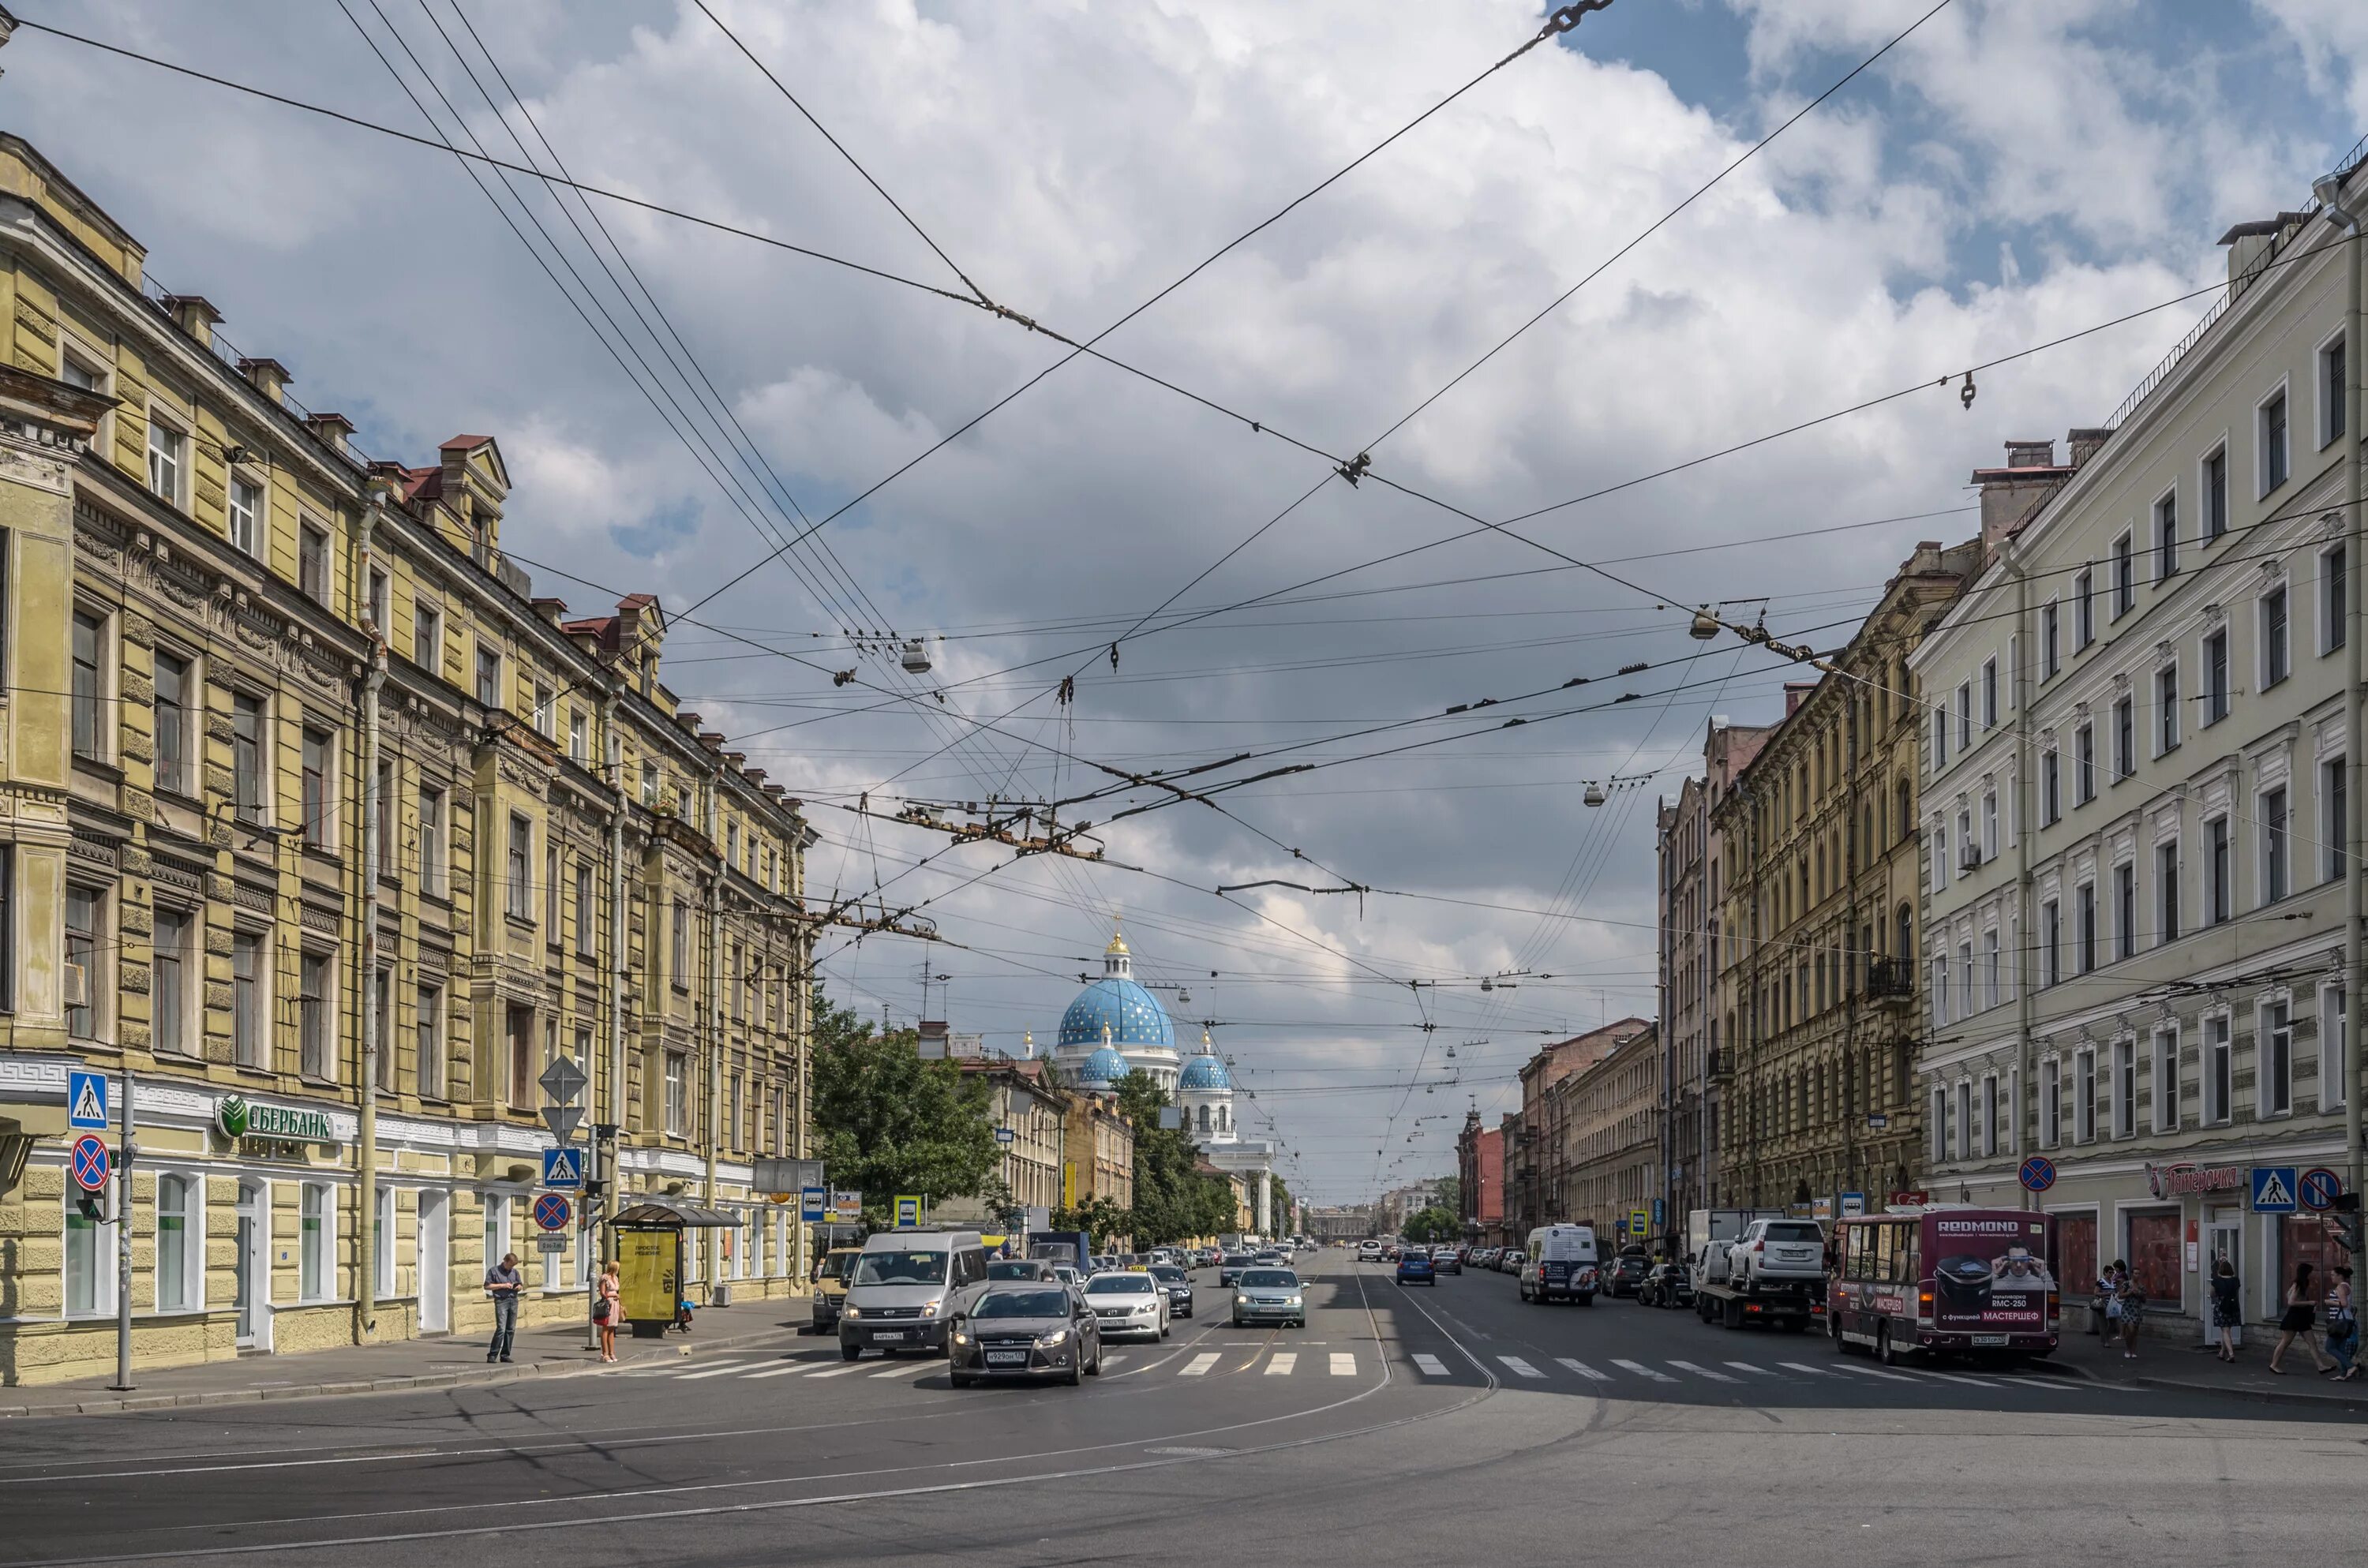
(648, 1237)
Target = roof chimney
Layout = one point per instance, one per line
(332, 428)
(2250, 246)
(2010, 494)
(270, 376)
(2084, 441)
(195, 315)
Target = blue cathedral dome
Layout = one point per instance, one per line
(1130, 1014)
(1105, 1066)
(1204, 1073)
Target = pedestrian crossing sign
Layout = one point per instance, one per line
(2273, 1189)
(87, 1099)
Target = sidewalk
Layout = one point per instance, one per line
(2174, 1360)
(448, 1362)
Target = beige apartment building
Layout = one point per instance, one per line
(329, 836)
(1611, 1123)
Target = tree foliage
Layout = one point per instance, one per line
(1433, 1224)
(1101, 1218)
(1173, 1199)
(891, 1124)
(1451, 1194)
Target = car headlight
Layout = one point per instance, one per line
(852, 1311)
(960, 1337)
(1292, 1303)
(1058, 1337)
(929, 1309)
(1150, 1306)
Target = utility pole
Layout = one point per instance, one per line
(123, 1244)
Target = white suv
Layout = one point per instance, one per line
(1369, 1250)
(1777, 1252)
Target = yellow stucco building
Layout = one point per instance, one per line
(303, 790)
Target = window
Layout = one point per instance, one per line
(521, 1042)
(1939, 855)
(2051, 939)
(389, 818)
(1965, 980)
(2165, 538)
(2269, 427)
(381, 603)
(545, 717)
(312, 1244)
(87, 1276)
(2126, 747)
(2219, 1070)
(2166, 1079)
(678, 970)
(2334, 599)
(497, 1227)
(178, 1254)
(1989, 826)
(650, 784)
(2084, 608)
(382, 1243)
(677, 1093)
(519, 900)
(312, 563)
(89, 683)
(2276, 659)
(2051, 642)
(431, 840)
(315, 802)
(2125, 585)
(2084, 1096)
(2165, 892)
(2051, 788)
(2125, 1088)
(427, 638)
(1964, 717)
(2334, 1057)
(314, 1022)
(2332, 412)
(2165, 696)
(84, 982)
(1964, 1120)
(247, 755)
(2051, 1103)
(2084, 765)
(2335, 828)
(245, 516)
(173, 693)
(2126, 910)
(2219, 891)
(2215, 494)
(586, 918)
(2084, 906)
(579, 738)
(168, 980)
(246, 1010)
(489, 677)
(2277, 1061)
(550, 893)
(430, 1069)
(1940, 1123)
(2276, 875)
(2215, 677)
(169, 459)
(1990, 968)
(381, 1024)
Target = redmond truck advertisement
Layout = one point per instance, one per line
(1990, 1271)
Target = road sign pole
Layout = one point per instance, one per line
(123, 1247)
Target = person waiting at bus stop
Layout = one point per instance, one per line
(502, 1283)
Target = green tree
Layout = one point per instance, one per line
(891, 1124)
(1433, 1224)
(1102, 1221)
(1174, 1198)
(1451, 1194)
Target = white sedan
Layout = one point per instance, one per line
(1128, 1302)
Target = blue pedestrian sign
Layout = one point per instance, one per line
(2038, 1173)
(86, 1099)
(2319, 1189)
(90, 1162)
(2273, 1189)
(813, 1204)
(563, 1168)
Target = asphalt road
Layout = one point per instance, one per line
(1401, 1425)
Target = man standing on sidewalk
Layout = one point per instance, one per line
(502, 1283)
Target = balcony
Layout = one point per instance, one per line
(1890, 980)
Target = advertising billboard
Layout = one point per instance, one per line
(1988, 1271)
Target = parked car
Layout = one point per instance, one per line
(1510, 1261)
(1667, 1285)
(1127, 1302)
(1778, 1253)
(1178, 1286)
(1269, 1295)
(1026, 1329)
(830, 1285)
(1626, 1275)
(1446, 1260)
(1413, 1267)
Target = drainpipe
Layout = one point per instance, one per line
(365, 1297)
(2330, 188)
(714, 1030)
(609, 1152)
(2026, 1091)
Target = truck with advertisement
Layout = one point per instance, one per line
(1945, 1281)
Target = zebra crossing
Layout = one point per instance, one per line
(1612, 1375)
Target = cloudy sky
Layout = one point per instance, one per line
(2013, 171)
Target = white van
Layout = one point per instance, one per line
(905, 1288)
(1560, 1260)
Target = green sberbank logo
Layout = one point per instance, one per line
(236, 1118)
(230, 1117)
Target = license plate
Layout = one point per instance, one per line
(1006, 1358)
(1991, 1339)
(889, 1334)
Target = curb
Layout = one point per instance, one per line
(2260, 1396)
(338, 1387)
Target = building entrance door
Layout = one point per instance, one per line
(252, 1269)
(435, 1254)
(2224, 1236)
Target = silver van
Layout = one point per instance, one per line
(906, 1287)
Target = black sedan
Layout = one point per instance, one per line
(1446, 1260)
(1667, 1285)
(1626, 1274)
(1178, 1286)
(1025, 1330)
(1230, 1267)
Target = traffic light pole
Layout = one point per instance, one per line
(123, 1247)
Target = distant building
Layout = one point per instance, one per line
(1608, 1119)
(1480, 1186)
(1538, 1189)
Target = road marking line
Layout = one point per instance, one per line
(1748, 1367)
(1956, 1378)
(840, 1372)
(1642, 1371)
(1879, 1372)
(1583, 1369)
(1281, 1363)
(1200, 1364)
(712, 1372)
(894, 1371)
(1431, 1365)
(1344, 1364)
(1701, 1371)
(1805, 1367)
(1520, 1367)
(781, 1371)
(1108, 1360)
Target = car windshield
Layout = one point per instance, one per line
(1794, 1231)
(1167, 1273)
(1022, 1304)
(1017, 1268)
(1418, 1255)
(835, 1265)
(1237, 1259)
(902, 1268)
(1119, 1285)
(1270, 1279)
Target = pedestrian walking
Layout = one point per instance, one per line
(2132, 1296)
(502, 1283)
(2343, 1325)
(2302, 1311)
(604, 1310)
(2227, 1306)
(2109, 1297)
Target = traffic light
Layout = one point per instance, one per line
(2345, 1223)
(91, 1206)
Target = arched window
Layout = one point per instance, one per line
(1204, 1119)
(1903, 942)
(1903, 817)
(1225, 1118)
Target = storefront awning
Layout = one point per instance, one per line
(650, 1209)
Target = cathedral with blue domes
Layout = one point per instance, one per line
(1114, 1028)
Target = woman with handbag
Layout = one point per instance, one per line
(2302, 1309)
(604, 1310)
(2343, 1325)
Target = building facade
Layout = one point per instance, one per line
(332, 836)
(1480, 1178)
(2136, 856)
(1612, 1128)
(1025, 1103)
(1540, 1189)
